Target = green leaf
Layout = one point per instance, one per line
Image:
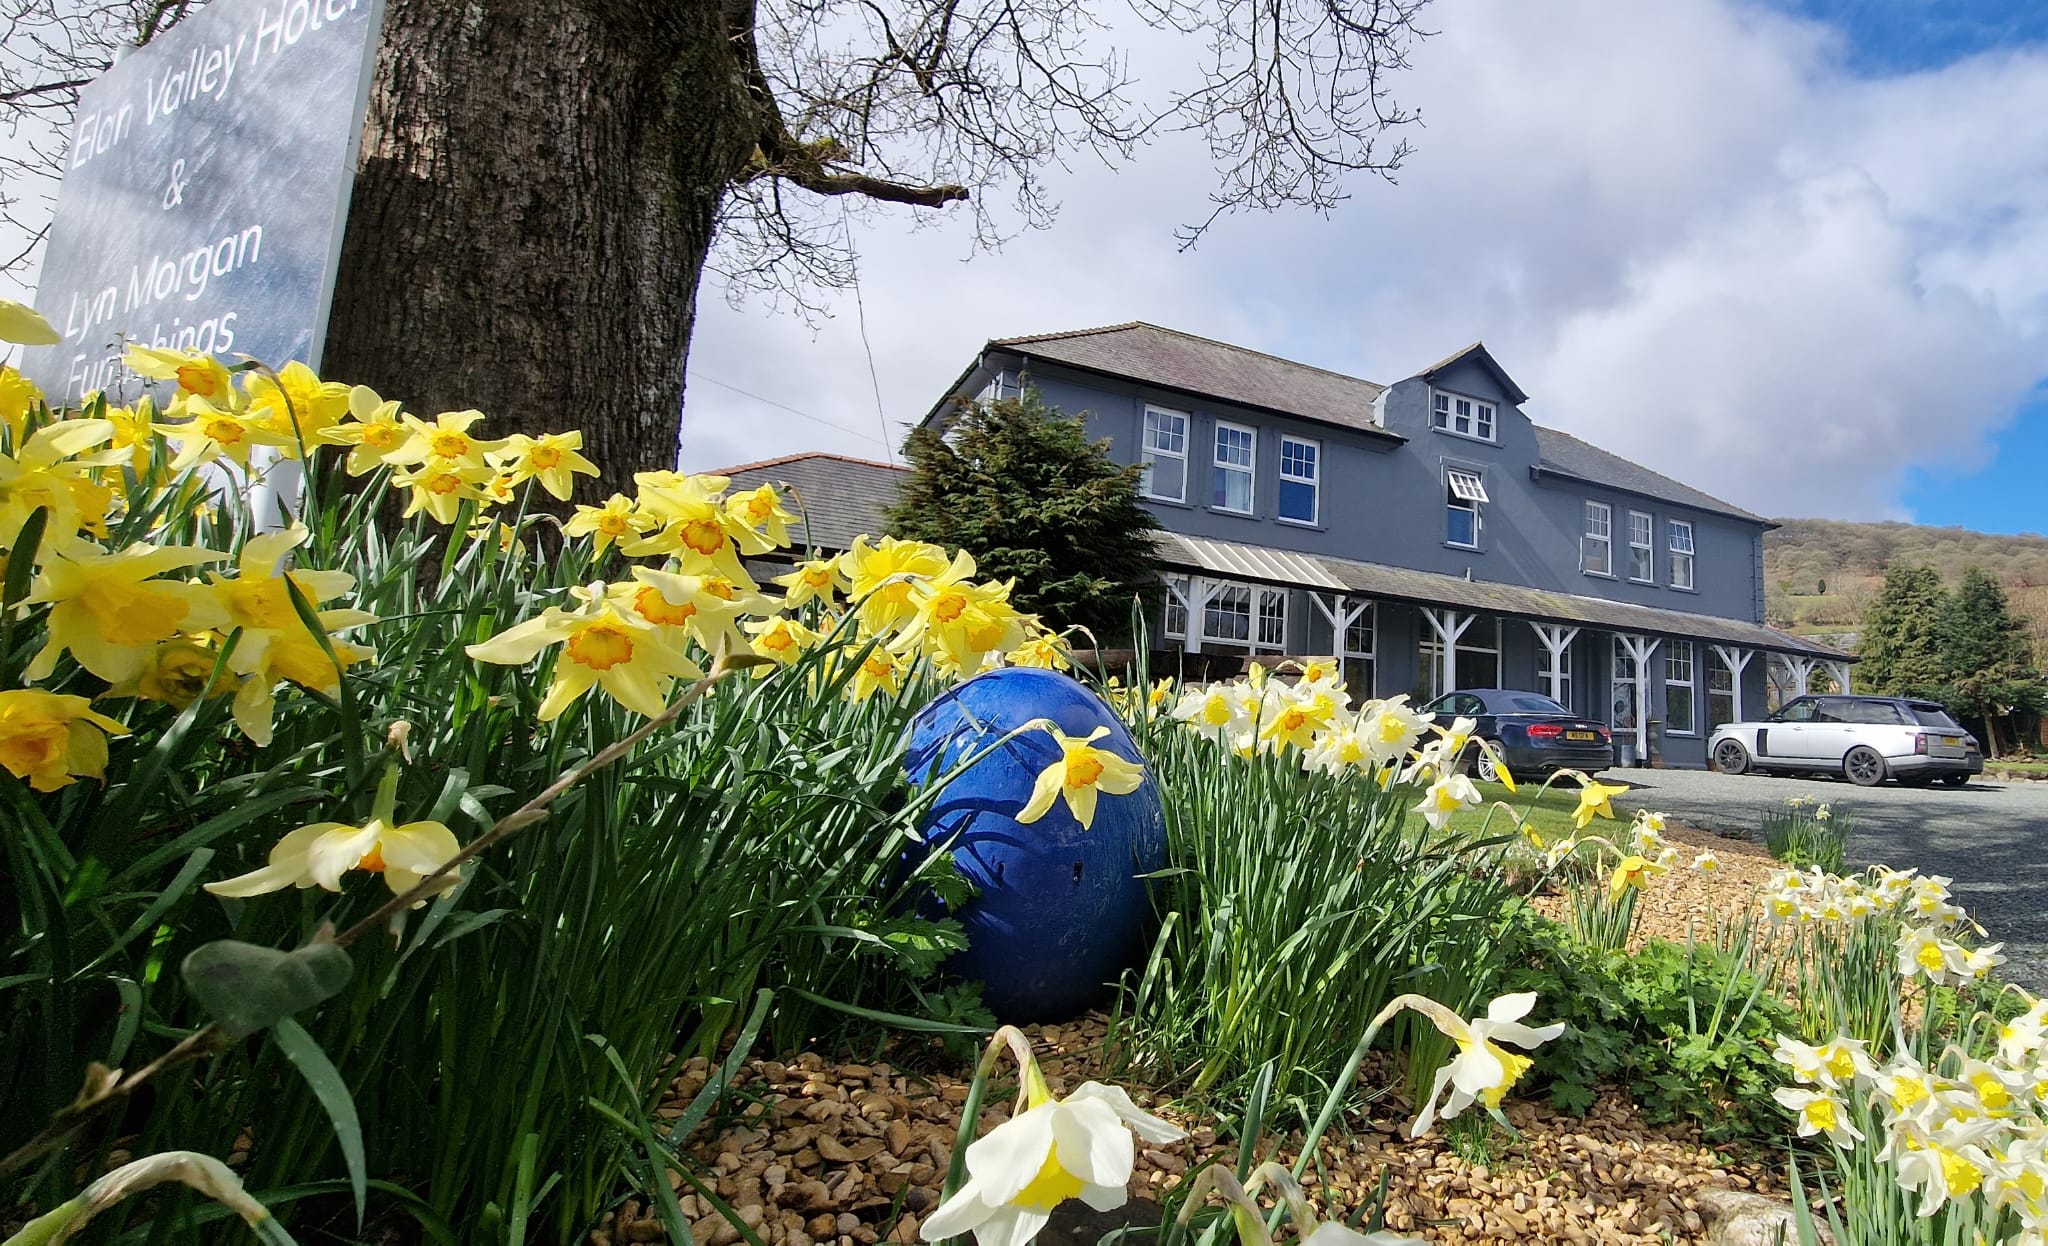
(246, 988)
(312, 1063)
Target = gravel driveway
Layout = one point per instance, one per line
(1990, 837)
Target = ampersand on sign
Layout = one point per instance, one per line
(174, 193)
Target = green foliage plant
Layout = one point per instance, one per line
(1020, 485)
(1989, 660)
(1809, 834)
(1900, 644)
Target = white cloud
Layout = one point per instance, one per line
(1691, 233)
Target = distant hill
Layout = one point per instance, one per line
(1820, 574)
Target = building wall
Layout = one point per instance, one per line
(1384, 502)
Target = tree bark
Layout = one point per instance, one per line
(537, 192)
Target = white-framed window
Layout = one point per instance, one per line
(1464, 493)
(1478, 659)
(1165, 455)
(1300, 472)
(1002, 385)
(1465, 417)
(1359, 651)
(1680, 683)
(1272, 619)
(1227, 617)
(1680, 531)
(1623, 717)
(1563, 682)
(1720, 691)
(1642, 536)
(1237, 449)
(1596, 548)
(1176, 621)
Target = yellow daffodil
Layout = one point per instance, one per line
(616, 520)
(759, 513)
(50, 739)
(554, 459)
(781, 639)
(816, 579)
(296, 404)
(198, 375)
(24, 324)
(708, 607)
(693, 524)
(108, 612)
(18, 396)
(1633, 872)
(881, 578)
(445, 443)
(1448, 796)
(1046, 651)
(212, 432)
(175, 674)
(440, 487)
(135, 431)
(958, 622)
(319, 854)
(1595, 800)
(1482, 1072)
(1056, 1149)
(880, 671)
(603, 645)
(44, 473)
(1081, 772)
(373, 428)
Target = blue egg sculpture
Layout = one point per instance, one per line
(1062, 911)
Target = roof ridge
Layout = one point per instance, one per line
(1193, 337)
(793, 458)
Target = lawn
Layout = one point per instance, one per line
(1550, 816)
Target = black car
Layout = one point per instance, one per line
(1535, 735)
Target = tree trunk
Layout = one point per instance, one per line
(537, 192)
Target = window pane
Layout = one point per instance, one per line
(1358, 637)
(1233, 489)
(1440, 411)
(1297, 501)
(1166, 431)
(1681, 570)
(1165, 477)
(1461, 524)
(1273, 618)
(1228, 615)
(1639, 563)
(1485, 424)
(1298, 459)
(1678, 709)
(1466, 485)
(1176, 609)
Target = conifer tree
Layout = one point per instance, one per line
(1991, 670)
(1901, 646)
(1021, 487)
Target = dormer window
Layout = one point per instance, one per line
(1461, 416)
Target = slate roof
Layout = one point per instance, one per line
(1212, 369)
(1377, 580)
(1565, 455)
(836, 496)
(1208, 368)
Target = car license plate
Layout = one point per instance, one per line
(1580, 735)
(1952, 740)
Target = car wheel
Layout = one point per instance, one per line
(1955, 780)
(1730, 757)
(1864, 766)
(1484, 768)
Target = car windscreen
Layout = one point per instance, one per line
(1527, 703)
(1936, 717)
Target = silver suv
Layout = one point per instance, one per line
(1866, 739)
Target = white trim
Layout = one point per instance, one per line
(1478, 414)
(1313, 480)
(1464, 489)
(1736, 660)
(1466, 484)
(1681, 557)
(1691, 684)
(1556, 639)
(1251, 470)
(1259, 599)
(1179, 591)
(1604, 537)
(1448, 625)
(1639, 649)
(1148, 453)
(1648, 545)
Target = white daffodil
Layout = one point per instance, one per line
(318, 855)
(1938, 1172)
(1706, 863)
(1481, 1072)
(1076, 1147)
(1390, 728)
(1214, 712)
(1922, 952)
(1820, 1112)
(1446, 798)
(2022, 1036)
(1833, 1064)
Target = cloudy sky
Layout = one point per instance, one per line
(1794, 254)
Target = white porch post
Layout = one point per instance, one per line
(1840, 670)
(1201, 592)
(1448, 625)
(1556, 638)
(1737, 661)
(1639, 650)
(1802, 674)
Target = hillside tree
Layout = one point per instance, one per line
(1020, 486)
(542, 182)
(1991, 671)
(1900, 645)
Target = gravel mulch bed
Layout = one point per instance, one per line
(845, 1154)
(1686, 902)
